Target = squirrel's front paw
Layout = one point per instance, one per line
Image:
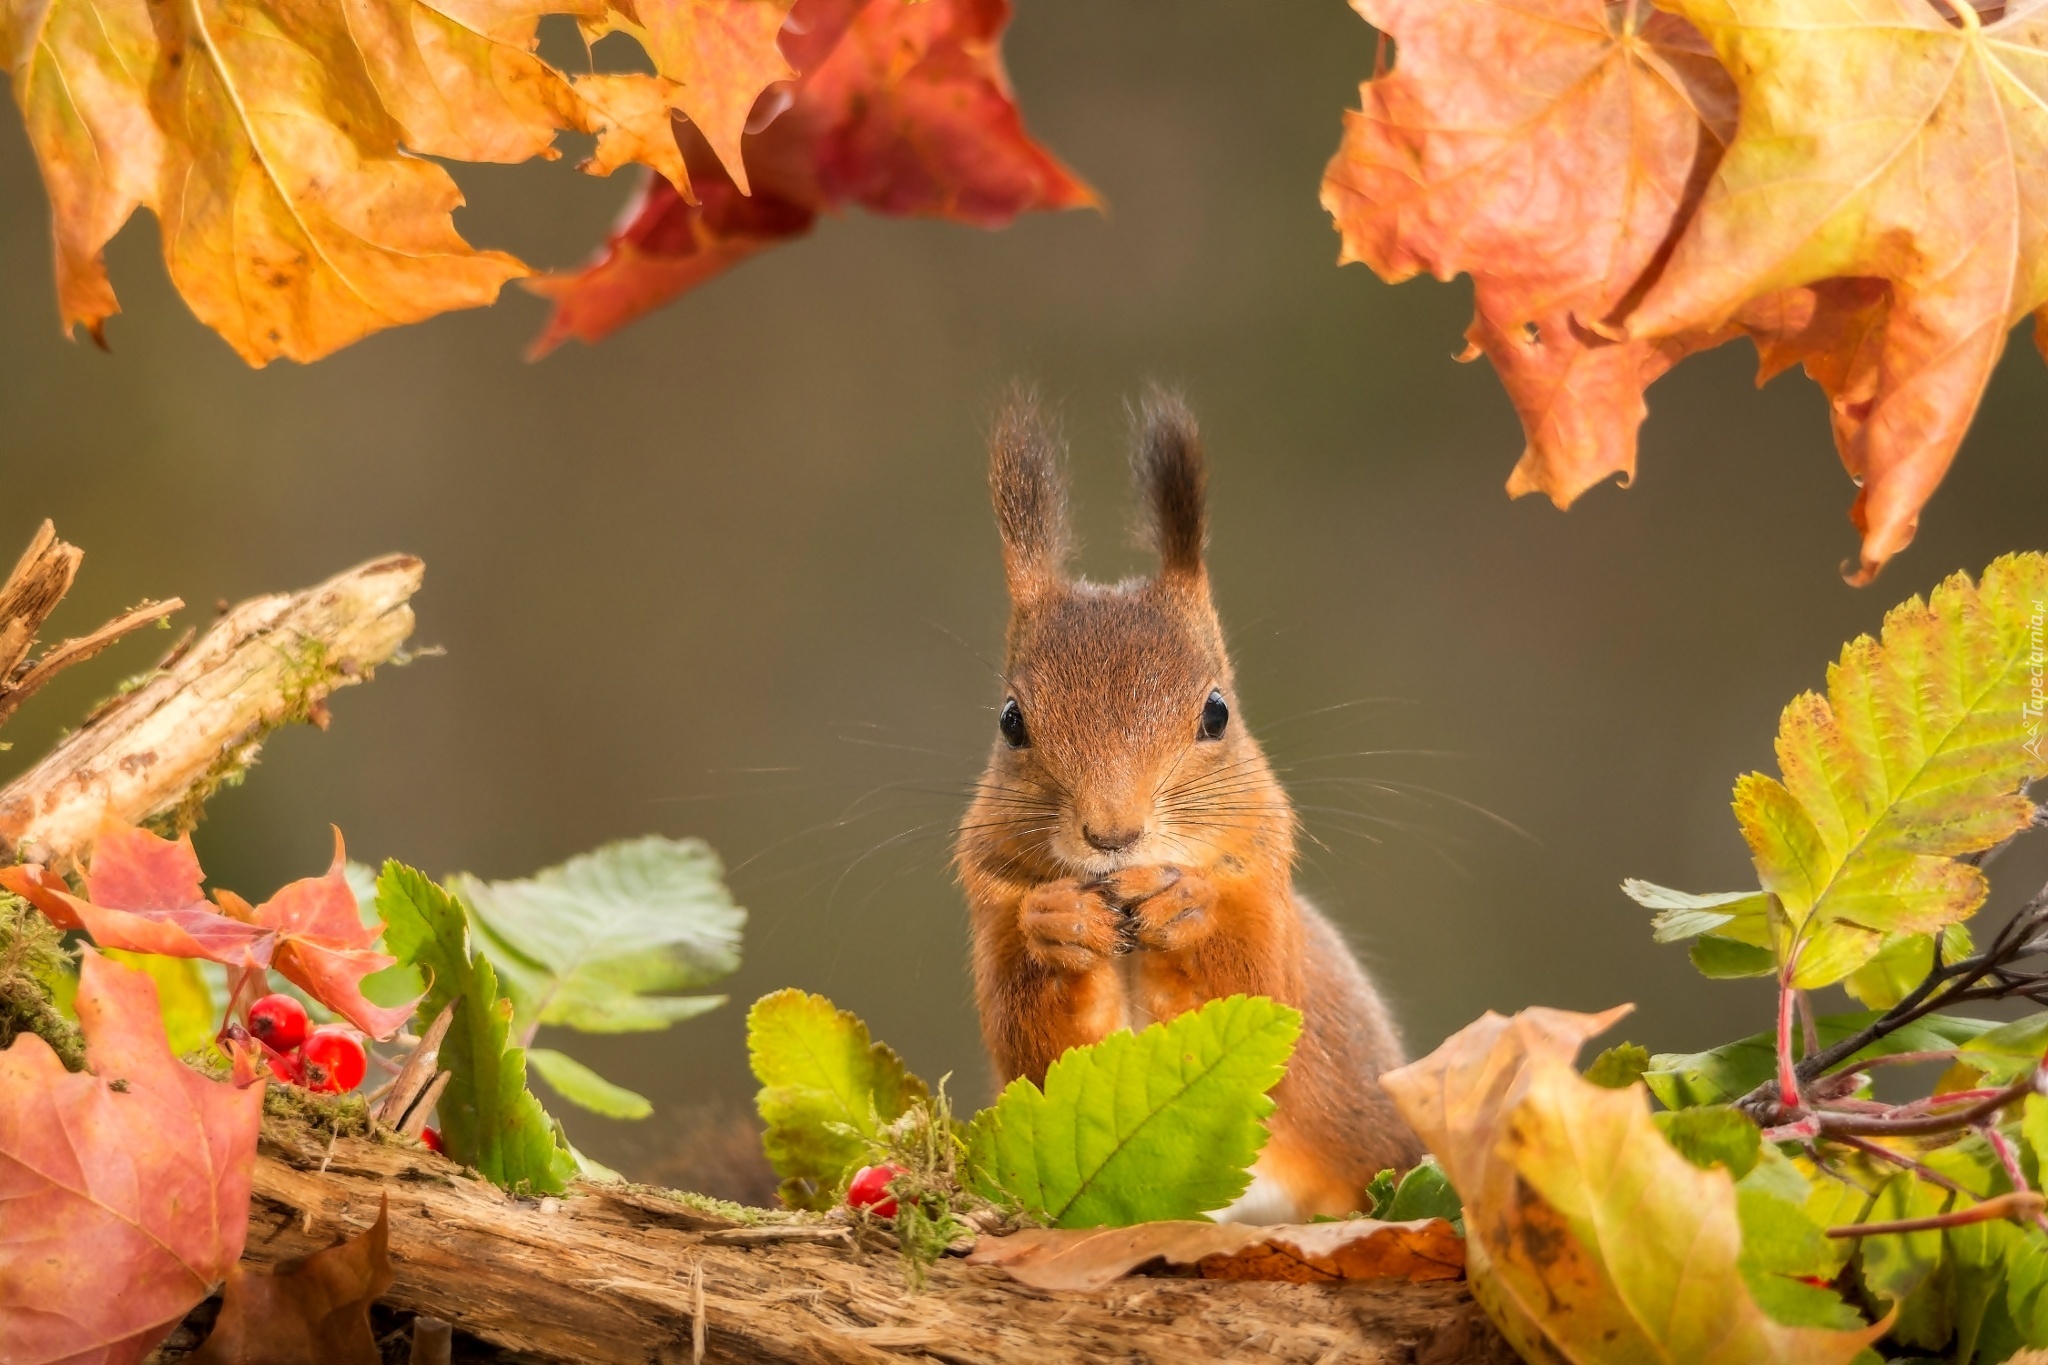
(1069, 927)
(1166, 907)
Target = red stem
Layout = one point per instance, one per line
(1788, 1079)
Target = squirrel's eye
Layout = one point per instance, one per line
(1215, 715)
(1011, 723)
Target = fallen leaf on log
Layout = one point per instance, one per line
(143, 895)
(314, 1313)
(125, 1188)
(1354, 1249)
(1591, 1239)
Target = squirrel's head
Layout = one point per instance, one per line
(1118, 742)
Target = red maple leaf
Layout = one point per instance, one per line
(901, 109)
(125, 1188)
(143, 895)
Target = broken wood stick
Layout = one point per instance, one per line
(40, 579)
(164, 746)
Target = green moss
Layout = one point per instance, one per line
(297, 1110)
(932, 1202)
(310, 674)
(32, 956)
(725, 1208)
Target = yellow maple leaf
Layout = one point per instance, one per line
(280, 142)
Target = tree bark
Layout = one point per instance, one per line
(198, 720)
(622, 1275)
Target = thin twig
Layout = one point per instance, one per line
(1926, 1173)
(1988, 975)
(2018, 1204)
(60, 657)
(1832, 1125)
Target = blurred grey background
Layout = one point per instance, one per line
(731, 573)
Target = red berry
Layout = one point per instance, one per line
(870, 1190)
(432, 1138)
(278, 1020)
(334, 1059)
(286, 1066)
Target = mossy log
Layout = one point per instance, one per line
(623, 1275)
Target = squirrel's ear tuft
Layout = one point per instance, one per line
(1172, 482)
(1028, 486)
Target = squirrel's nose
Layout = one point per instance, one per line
(1111, 840)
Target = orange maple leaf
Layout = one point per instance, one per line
(143, 895)
(1584, 162)
(126, 1187)
(1879, 140)
(902, 109)
(278, 143)
(1548, 149)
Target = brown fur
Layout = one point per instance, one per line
(1073, 940)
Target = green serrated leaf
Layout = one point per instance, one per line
(1711, 1135)
(1784, 1248)
(827, 1090)
(1682, 915)
(2004, 1054)
(1425, 1192)
(2026, 1288)
(398, 982)
(1977, 1255)
(602, 942)
(1379, 1193)
(1722, 959)
(1620, 1066)
(2034, 1127)
(489, 1119)
(1726, 1073)
(1916, 756)
(581, 1086)
(1903, 963)
(1160, 1124)
(1897, 1266)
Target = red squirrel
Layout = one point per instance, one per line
(1129, 853)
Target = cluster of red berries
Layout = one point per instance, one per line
(327, 1060)
(870, 1189)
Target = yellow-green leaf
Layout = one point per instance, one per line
(1919, 754)
(1160, 1124)
(827, 1089)
(1589, 1238)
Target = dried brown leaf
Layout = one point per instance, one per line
(1354, 1249)
(315, 1313)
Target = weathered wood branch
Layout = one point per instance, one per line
(611, 1276)
(40, 579)
(199, 719)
